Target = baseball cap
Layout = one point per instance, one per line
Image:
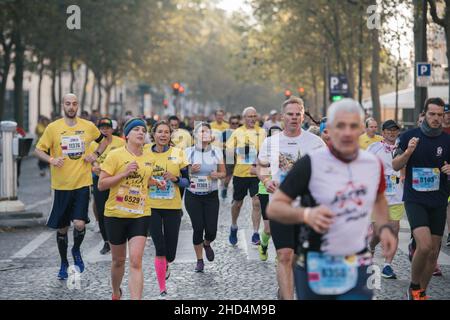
(273, 112)
(104, 122)
(389, 124)
(323, 125)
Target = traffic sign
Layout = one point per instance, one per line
(338, 85)
(423, 74)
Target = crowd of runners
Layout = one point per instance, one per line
(327, 195)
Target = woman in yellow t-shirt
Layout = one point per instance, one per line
(169, 165)
(127, 173)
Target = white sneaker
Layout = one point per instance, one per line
(97, 227)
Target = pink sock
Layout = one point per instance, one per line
(160, 268)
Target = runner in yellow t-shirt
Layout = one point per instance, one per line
(370, 136)
(67, 140)
(106, 127)
(127, 173)
(170, 165)
(245, 143)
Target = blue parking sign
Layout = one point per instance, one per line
(423, 69)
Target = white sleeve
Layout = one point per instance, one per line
(263, 152)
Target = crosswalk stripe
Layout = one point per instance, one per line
(32, 245)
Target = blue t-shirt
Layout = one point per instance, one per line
(423, 168)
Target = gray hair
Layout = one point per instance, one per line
(344, 105)
(247, 110)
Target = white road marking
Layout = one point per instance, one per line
(33, 245)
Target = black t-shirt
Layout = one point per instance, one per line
(431, 152)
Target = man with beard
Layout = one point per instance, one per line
(67, 139)
(425, 152)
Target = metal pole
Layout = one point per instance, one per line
(8, 182)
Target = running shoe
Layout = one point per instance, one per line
(62, 274)
(163, 295)
(115, 298)
(233, 236)
(167, 272)
(423, 295)
(209, 252)
(414, 294)
(448, 240)
(200, 266)
(255, 239)
(437, 271)
(263, 252)
(224, 193)
(388, 273)
(105, 248)
(78, 261)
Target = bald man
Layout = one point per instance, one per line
(63, 145)
(243, 145)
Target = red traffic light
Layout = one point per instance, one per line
(165, 103)
(287, 93)
(181, 89)
(301, 90)
(175, 86)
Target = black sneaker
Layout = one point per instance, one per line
(105, 248)
(209, 252)
(200, 266)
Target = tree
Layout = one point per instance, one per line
(444, 22)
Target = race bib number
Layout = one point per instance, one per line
(72, 145)
(391, 185)
(130, 199)
(168, 193)
(331, 275)
(426, 179)
(200, 184)
(246, 155)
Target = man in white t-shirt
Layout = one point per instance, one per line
(277, 156)
(384, 150)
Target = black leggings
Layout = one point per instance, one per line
(204, 213)
(100, 198)
(166, 240)
(264, 200)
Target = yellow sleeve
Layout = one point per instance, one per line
(109, 165)
(183, 160)
(231, 142)
(46, 141)
(95, 133)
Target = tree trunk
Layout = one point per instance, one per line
(374, 75)
(83, 95)
(72, 74)
(420, 50)
(99, 88)
(4, 73)
(93, 92)
(60, 95)
(41, 75)
(54, 103)
(19, 58)
(396, 90)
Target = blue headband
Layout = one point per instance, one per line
(132, 124)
